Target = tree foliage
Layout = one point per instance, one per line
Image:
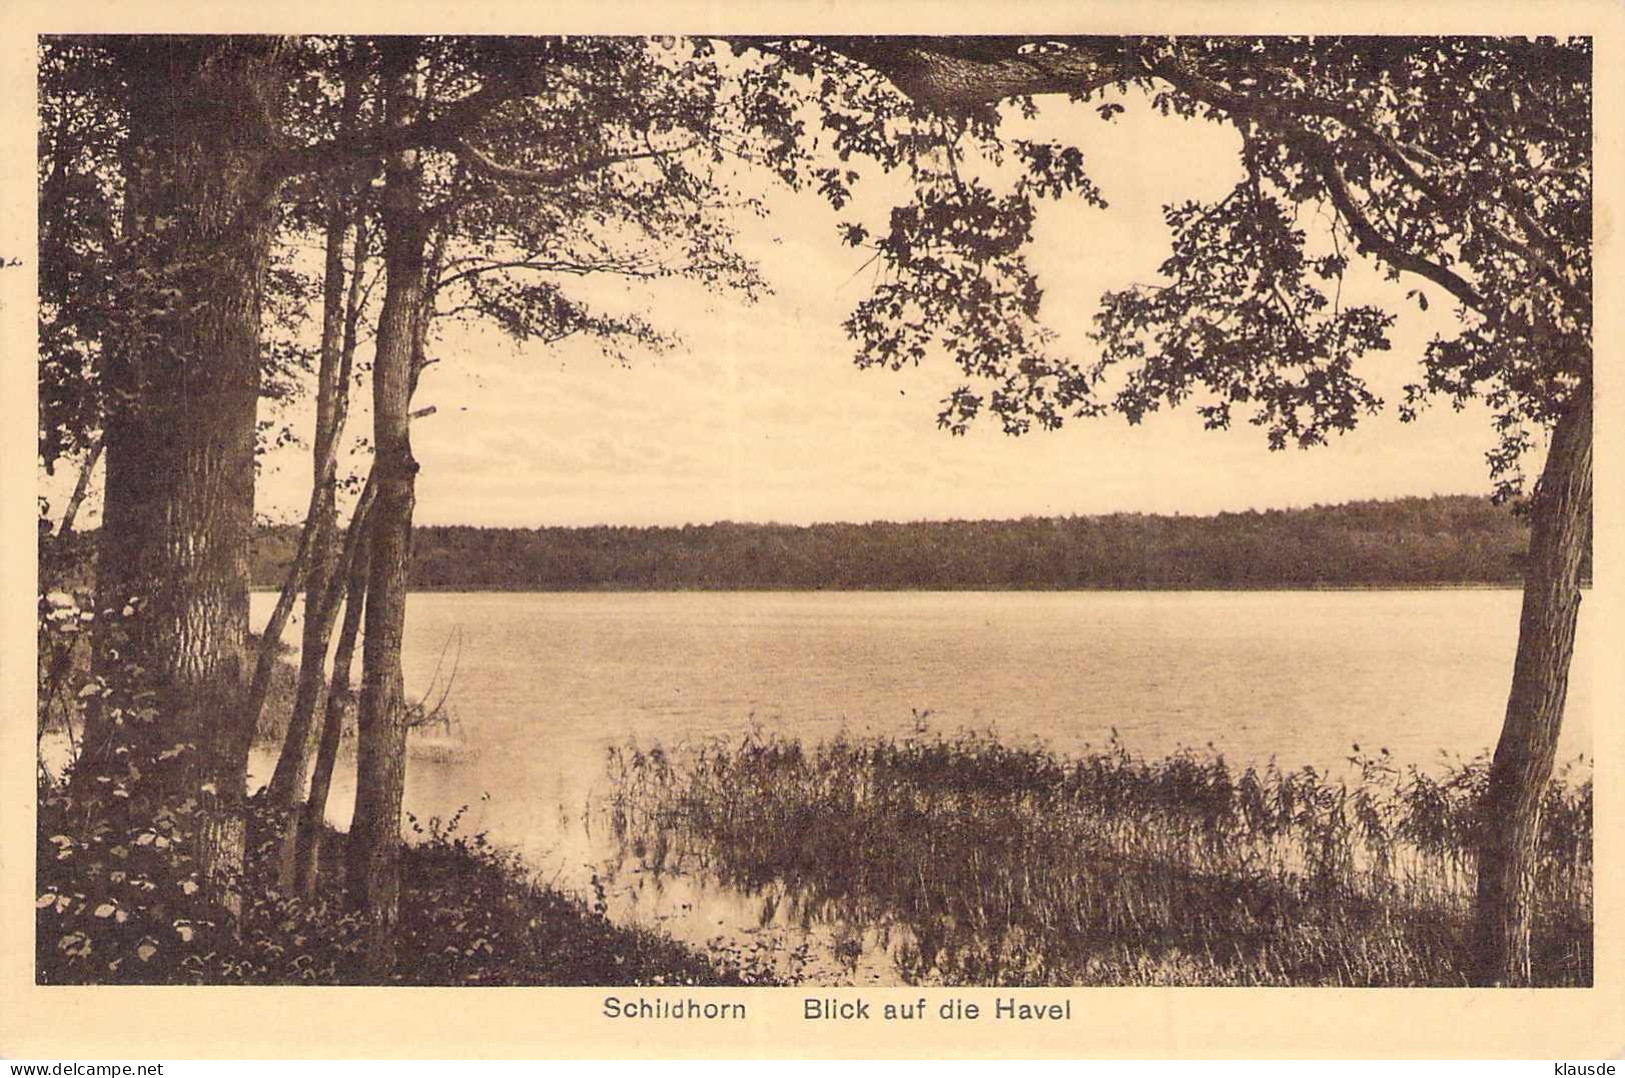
(1462, 164)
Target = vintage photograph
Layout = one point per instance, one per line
(824, 511)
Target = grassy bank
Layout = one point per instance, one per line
(978, 863)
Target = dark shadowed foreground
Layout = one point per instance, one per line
(127, 909)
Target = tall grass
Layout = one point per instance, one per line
(976, 862)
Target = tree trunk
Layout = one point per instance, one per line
(351, 561)
(375, 834)
(339, 698)
(1560, 516)
(271, 637)
(324, 589)
(314, 556)
(180, 435)
(81, 487)
(341, 311)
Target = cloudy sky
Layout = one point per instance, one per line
(760, 414)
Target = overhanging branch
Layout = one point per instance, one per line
(484, 165)
(957, 73)
(1318, 153)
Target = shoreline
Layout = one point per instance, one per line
(1064, 823)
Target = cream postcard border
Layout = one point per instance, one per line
(169, 1023)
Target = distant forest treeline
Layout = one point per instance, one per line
(1407, 542)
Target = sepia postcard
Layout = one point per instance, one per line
(923, 530)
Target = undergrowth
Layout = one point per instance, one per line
(117, 907)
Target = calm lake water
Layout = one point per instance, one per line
(546, 684)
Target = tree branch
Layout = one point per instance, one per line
(1546, 261)
(346, 148)
(482, 164)
(958, 74)
(580, 269)
(1318, 153)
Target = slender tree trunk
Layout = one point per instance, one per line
(56, 563)
(314, 554)
(341, 311)
(180, 440)
(81, 487)
(271, 638)
(355, 545)
(324, 588)
(375, 834)
(340, 698)
(1560, 531)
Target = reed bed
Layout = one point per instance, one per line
(975, 862)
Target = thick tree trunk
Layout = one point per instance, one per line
(375, 834)
(339, 698)
(180, 435)
(1560, 531)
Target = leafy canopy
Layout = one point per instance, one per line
(1460, 165)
